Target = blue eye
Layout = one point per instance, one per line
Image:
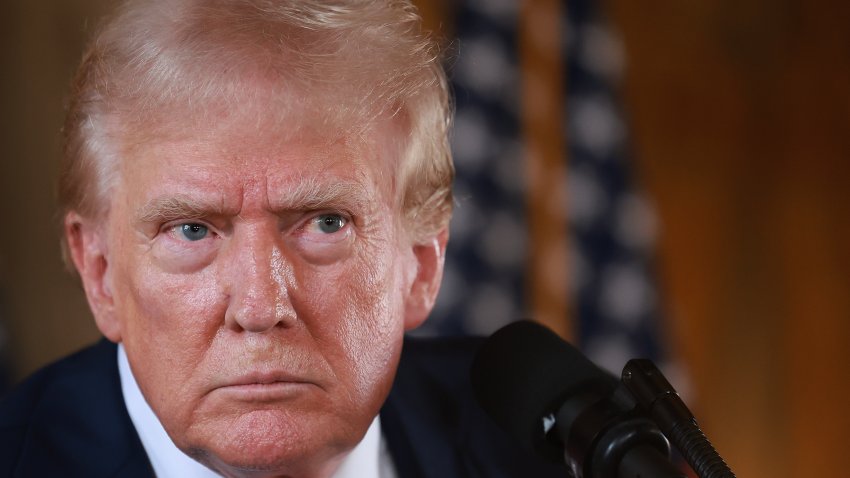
(330, 223)
(194, 232)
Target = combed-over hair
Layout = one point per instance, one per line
(157, 65)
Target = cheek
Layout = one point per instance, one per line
(166, 303)
(367, 324)
(169, 322)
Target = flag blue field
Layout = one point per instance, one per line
(612, 226)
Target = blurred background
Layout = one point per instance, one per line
(658, 178)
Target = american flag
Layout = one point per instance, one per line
(610, 225)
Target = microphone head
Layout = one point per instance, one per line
(524, 372)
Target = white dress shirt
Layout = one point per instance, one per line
(369, 459)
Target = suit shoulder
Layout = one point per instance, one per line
(54, 405)
(432, 406)
(22, 401)
(450, 358)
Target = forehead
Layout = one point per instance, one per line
(234, 160)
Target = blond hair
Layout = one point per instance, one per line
(348, 60)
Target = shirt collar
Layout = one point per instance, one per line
(369, 459)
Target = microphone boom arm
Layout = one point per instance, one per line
(659, 400)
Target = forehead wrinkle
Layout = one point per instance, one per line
(167, 208)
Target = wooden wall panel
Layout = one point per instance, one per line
(740, 114)
(46, 312)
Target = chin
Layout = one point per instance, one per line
(273, 443)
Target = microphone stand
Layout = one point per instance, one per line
(610, 438)
(656, 397)
(626, 434)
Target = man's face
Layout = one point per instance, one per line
(261, 291)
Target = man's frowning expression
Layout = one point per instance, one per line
(261, 290)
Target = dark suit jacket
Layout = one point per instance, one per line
(69, 420)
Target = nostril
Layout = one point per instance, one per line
(258, 309)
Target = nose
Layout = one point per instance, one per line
(259, 283)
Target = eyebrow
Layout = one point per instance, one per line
(164, 209)
(309, 194)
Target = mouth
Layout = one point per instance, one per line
(267, 387)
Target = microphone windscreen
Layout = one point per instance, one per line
(524, 372)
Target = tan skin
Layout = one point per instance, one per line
(262, 318)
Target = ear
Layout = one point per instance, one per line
(430, 257)
(86, 240)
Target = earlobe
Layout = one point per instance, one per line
(430, 257)
(87, 246)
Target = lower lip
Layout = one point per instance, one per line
(267, 392)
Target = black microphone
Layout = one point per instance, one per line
(551, 398)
